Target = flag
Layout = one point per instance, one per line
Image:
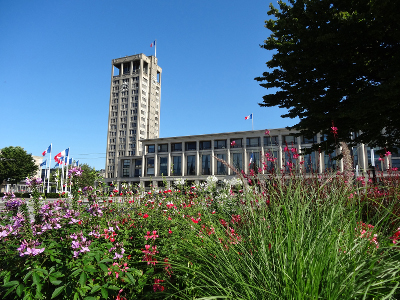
(249, 117)
(57, 165)
(70, 161)
(46, 151)
(43, 163)
(66, 160)
(77, 163)
(61, 154)
(153, 44)
(251, 158)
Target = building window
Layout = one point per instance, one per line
(125, 167)
(176, 147)
(205, 145)
(271, 141)
(220, 144)
(289, 140)
(312, 140)
(236, 143)
(253, 142)
(237, 160)
(150, 166)
(163, 166)
(221, 168)
(163, 148)
(254, 161)
(309, 162)
(177, 165)
(205, 165)
(150, 149)
(191, 165)
(190, 146)
(330, 161)
(138, 167)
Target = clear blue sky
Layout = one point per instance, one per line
(55, 68)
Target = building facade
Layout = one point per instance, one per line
(195, 157)
(134, 109)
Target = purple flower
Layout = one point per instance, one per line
(75, 244)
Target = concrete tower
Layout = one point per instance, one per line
(134, 111)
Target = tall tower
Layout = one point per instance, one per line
(134, 111)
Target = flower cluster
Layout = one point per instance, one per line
(396, 236)
(365, 231)
(117, 268)
(29, 248)
(75, 172)
(33, 182)
(79, 243)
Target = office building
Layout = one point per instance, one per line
(134, 109)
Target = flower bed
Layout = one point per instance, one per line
(257, 238)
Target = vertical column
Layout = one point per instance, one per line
(228, 156)
(245, 158)
(169, 160)
(183, 163)
(143, 159)
(280, 152)
(198, 159)
(212, 159)
(155, 160)
(262, 152)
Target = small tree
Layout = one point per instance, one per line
(16, 164)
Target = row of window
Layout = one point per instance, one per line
(222, 144)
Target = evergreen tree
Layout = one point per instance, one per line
(337, 64)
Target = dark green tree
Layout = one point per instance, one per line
(336, 62)
(16, 164)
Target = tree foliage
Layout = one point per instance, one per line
(16, 164)
(337, 62)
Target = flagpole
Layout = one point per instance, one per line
(252, 118)
(48, 175)
(66, 174)
(155, 49)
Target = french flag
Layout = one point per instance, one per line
(153, 44)
(46, 151)
(249, 117)
(61, 154)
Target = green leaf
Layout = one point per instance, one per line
(57, 291)
(11, 283)
(55, 281)
(76, 272)
(104, 293)
(10, 291)
(106, 260)
(90, 298)
(42, 271)
(95, 289)
(20, 289)
(82, 279)
(131, 279)
(27, 276)
(36, 278)
(76, 296)
(113, 287)
(89, 269)
(103, 267)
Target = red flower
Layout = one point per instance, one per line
(196, 220)
(145, 216)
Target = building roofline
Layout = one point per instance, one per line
(214, 134)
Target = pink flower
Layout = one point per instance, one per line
(233, 143)
(145, 216)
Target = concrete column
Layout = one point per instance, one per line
(198, 165)
(212, 159)
(155, 160)
(280, 152)
(169, 160)
(228, 156)
(183, 164)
